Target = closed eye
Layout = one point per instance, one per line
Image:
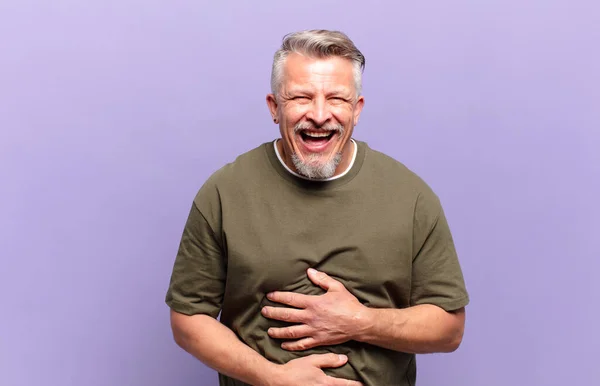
(337, 99)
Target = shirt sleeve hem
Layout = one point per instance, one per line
(448, 306)
(187, 309)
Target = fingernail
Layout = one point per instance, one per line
(311, 270)
(342, 357)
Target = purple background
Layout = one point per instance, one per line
(114, 112)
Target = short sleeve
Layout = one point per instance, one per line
(198, 278)
(437, 277)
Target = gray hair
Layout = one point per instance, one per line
(317, 44)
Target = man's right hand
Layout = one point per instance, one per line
(307, 371)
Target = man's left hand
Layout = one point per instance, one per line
(328, 319)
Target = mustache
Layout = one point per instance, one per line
(326, 127)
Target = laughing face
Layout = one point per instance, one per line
(317, 108)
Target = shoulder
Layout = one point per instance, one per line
(406, 186)
(395, 175)
(244, 168)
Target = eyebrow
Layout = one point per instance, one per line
(300, 90)
(308, 90)
(339, 91)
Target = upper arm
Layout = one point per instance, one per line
(459, 317)
(198, 278)
(437, 277)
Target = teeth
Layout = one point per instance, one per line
(319, 134)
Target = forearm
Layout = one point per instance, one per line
(420, 329)
(219, 348)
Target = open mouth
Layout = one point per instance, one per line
(316, 137)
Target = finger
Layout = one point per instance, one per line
(323, 280)
(342, 382)
(300, 345)
(284, 314)
(292, 332)
(327, 360)
(290, 298)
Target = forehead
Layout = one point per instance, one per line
(301, 70)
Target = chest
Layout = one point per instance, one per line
(363, 242)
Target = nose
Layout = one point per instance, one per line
(319, 111)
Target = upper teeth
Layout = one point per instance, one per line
(318, 134)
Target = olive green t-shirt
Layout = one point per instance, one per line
(254, 228)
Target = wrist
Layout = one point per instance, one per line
(269, 375)
(364, 322)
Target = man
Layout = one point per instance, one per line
(331, 263)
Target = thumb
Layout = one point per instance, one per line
(328, 360)
(323, 280)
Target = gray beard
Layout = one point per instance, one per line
(313, 170)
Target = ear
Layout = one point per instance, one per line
(358, 108)
(272, 105)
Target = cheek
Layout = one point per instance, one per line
(345, 117)
(293, 116)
